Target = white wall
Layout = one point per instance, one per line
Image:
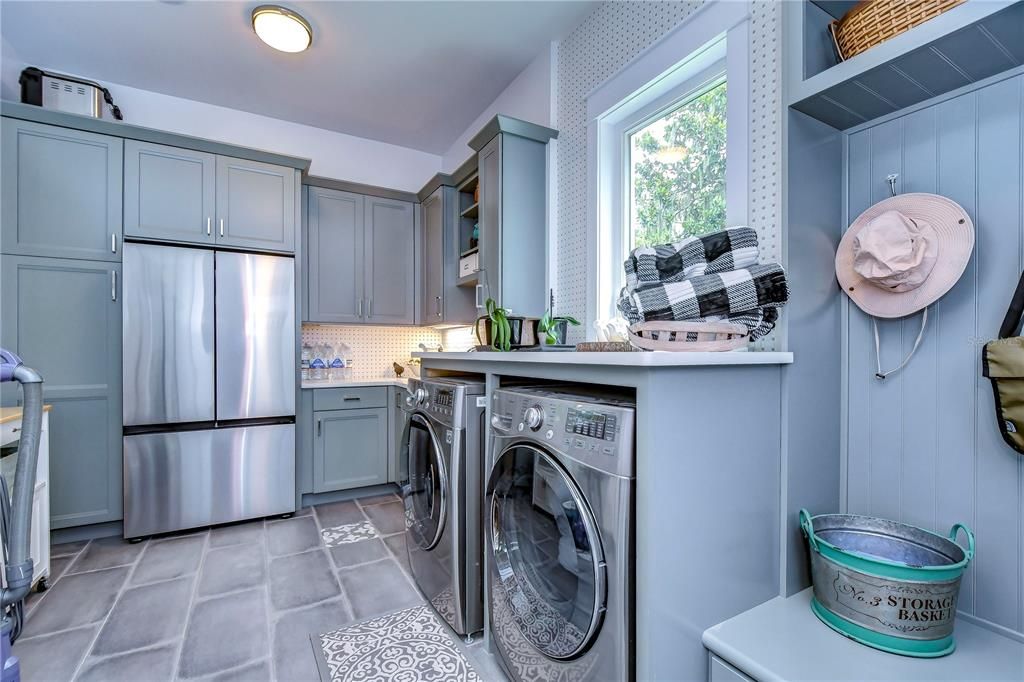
(528, 97)
(334, 155)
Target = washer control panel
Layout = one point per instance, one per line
(600, 425)
(591, 429)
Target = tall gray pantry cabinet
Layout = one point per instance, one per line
(61, 243)
(72, 188)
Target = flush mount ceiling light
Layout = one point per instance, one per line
(281, 28)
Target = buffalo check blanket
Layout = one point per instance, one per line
(729, 249)
(750, 296)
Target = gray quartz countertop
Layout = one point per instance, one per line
(644, 359)
(354, 383)
(782, 640)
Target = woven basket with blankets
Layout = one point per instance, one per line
(702, 293)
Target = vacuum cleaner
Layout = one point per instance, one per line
(16, 513)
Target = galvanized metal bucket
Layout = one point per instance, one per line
(891, 586)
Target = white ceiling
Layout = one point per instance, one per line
(414, 74)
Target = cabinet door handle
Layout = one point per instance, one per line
(360, 314)
(113, 242)
(221, 227)
(369, 308)
(351, 398)
(438, 301)
(479, 290)
(113, 285)
(318, 428)
(209, 227)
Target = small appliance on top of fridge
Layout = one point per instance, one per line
(209, 377)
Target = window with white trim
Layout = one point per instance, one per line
(667, 146)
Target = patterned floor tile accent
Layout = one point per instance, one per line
(350, 532)
(406, 645)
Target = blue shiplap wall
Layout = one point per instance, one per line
(923, 446)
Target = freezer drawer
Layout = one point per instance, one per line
(167, 335)
(256, 365)
(188, 479)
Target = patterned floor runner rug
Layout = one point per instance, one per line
(412, 644)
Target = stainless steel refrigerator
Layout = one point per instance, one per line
(209, 387)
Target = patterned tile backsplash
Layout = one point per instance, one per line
(375, 348)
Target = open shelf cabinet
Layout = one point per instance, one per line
(971, 42)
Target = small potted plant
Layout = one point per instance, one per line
(502, 331)
(553, 330)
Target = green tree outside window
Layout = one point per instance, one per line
(678, 172)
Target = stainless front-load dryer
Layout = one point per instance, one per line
(441, 465)
(559, 531)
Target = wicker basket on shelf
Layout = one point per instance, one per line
(688, 336)
(874, 21)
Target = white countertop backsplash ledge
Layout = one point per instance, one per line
(639, 359)
(354, 383)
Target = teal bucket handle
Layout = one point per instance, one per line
(808, 528)
(957, 527)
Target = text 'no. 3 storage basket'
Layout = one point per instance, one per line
(874, 21)
(889, 585)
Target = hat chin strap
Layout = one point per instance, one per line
(878, 348)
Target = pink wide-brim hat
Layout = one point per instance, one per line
(953, 233)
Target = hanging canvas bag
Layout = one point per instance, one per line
(1003, 364)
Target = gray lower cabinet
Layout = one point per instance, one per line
(720, 671)
(255, 205)
(60, 192)
(63, 317)
(361, 259)
(335, 255)
(390, 255)
(443, 301)
(169, 192)
(350, 449)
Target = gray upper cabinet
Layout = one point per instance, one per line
(443, 301)
(61, 192)
(255, 205)
(390, 253)
(433, 256)
(335, 256)
(361, 258)
(63, 317)
(512, 163)
(169, 193)
(490, 224)
(350, 449)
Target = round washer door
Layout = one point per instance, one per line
(426, 495)
(547, 552)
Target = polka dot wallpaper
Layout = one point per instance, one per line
(607, 40)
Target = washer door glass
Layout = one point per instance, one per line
(547, 552)
(426, 498)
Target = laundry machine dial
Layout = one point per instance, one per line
(534, 417)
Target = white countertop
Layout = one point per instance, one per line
(782, 640)
(639, 359)
(354, 383)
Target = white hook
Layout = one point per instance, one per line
(891, 177)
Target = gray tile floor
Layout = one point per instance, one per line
(229, 603)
